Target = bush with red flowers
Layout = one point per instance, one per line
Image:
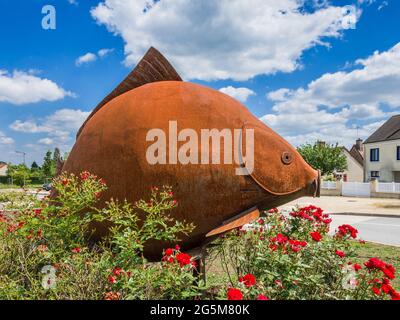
(293, 257)
(45, 252)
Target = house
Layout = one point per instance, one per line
(355, 163)
(382, 153)
(3, 169)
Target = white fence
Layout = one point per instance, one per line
(356, 189)
(329, 185)
(390, 187)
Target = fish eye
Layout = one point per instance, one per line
(287, 158)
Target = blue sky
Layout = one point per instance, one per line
(295, 64)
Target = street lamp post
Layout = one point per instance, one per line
(23, 155)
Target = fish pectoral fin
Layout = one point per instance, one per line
(236, 222)
(153, 67)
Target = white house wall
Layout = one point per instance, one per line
(3, 171)
(387, 160)
(354, 172)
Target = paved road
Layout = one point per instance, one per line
(375, 229)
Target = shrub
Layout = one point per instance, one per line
(294, 258)
(45, 253)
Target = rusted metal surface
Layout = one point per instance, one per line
(236, 222)
(152, 68)
(112, 144)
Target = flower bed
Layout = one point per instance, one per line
(45, 253)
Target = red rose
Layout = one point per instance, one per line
(341, 254)
(169, 252)
(388, 273)
(249, 280)
(169, 259)
(280, 238)
(388, 270)
(376, 291)
(356, 267)
(76, 250)
(85, 175)
(395, 296)
(112, 279)
(234, 294)
(386, 288)
(316, 236)
(117, 271)
(347, 229)
(262, 297)
(183, 259)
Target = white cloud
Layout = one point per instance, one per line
(4, 139)
(91, 57)
(46, 141)
(220, 39)
(86, 58)
(26, 126)
(241, 94)
(21, 88)
(74, 2)
(59, 126)
(326, 108)
(104, 52)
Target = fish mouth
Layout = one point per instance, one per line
(314, 188)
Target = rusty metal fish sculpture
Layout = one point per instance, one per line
(117, 140)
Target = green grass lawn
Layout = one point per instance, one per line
(11, 186)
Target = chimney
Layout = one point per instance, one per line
(321, 143)
(359, 145)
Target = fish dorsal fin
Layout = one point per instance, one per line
(153, 67)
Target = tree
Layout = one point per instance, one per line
(325, 157)
(52, 161)
(56, 156)
(34, 166)
(48, 165)
(20, 174)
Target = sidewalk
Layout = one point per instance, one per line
(351, 206)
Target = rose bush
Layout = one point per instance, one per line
(46, 252)
(293, 257)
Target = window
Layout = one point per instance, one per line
(398, 153)
(374, 155)
(374, 174)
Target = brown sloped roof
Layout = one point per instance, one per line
(355, 154)
(390, 130)
(2, 165)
